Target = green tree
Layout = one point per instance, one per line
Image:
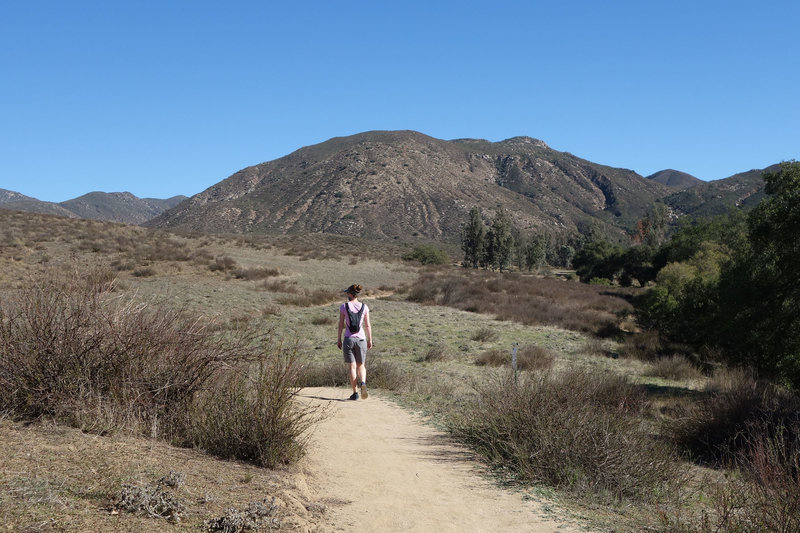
(473, 238)
(500, 241)
(759, 323)
(536, 252)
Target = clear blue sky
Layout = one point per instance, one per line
(162, 98)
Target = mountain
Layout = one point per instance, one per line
(675, 179)
(405, 185)
(744, 190)
(115, 206)
(119, 206)
(19, 202)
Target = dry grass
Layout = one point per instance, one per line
(526, 299)
(55, 478)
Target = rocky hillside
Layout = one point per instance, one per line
(119, 206)
(744, 190)
(405, 185)
(114, 207)
(675, 179)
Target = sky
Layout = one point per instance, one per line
(161, 98)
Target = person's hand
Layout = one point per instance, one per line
(339, 344)
(369, 344)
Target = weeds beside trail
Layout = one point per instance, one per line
(571, 431)
(73, 350)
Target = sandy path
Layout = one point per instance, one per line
(381, 469)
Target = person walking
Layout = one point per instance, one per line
(354, 322)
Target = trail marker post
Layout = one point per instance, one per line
(514, 346)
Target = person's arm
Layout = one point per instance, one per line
(368, 329)
(341, 328)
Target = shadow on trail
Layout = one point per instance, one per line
(324, 398)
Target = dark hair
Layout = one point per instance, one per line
(353, 289)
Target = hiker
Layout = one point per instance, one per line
(354, 321)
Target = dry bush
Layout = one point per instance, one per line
(384, 373)
(258, 516)
(493, 358)
(223, 263)
(310, 298)
(324, 320)
(717, 428)
(280, 285)
(71, 350)
(327, 373)
(252, 415)
(645, 346)
(575, 431)
(759, 492)
(534, 358)
(526, 299)
(675, 367)
(255, 274)
(145, 271)
(437, 353)
(485, 334)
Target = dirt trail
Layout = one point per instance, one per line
(380, 469)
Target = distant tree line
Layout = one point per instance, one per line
(501, 245)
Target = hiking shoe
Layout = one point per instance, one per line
(364, 393)
(354, 396)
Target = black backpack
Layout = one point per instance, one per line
(354, 319)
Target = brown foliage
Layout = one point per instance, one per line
(525, 299)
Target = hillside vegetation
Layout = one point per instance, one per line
(599, 415)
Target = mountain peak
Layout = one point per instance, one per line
(525, 140)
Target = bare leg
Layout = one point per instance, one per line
(362, 372)
(353, 375)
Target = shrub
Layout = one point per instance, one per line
(485, 334)
(309, 298)
(427, 254)
(145, 271)
(575, 431)
(327, 373)
(72, 351)
(437, 352)
(534, 358)
(493, 358)
(386, 374)
(526, 299)
(675, 367)
(717, 429)
(254, 274)
(645, 346)
(325, 320)
(223, 263)
(252, 414)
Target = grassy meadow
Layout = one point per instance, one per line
(598, 416)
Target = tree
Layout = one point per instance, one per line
(760, 291)
(501, 242)
(536, 252)
(473, 237)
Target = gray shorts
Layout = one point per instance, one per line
(354, 350)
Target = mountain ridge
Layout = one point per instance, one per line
(115, 206)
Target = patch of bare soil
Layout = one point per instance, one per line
(54, 478)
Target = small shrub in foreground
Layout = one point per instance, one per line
(574, 431)
(72, 350)
(252, 414)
